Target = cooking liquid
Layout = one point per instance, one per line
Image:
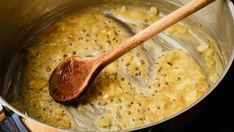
(148, 84)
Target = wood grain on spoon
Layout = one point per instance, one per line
(73, 75)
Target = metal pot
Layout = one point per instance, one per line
(18, 17)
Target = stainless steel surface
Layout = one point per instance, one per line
(18, 17)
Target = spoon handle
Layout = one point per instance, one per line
(152, 30)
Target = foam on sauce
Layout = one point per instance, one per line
(144, 86)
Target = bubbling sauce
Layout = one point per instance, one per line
(146, 85)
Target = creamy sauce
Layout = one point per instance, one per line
(146, 85)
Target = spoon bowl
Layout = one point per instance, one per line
(71, 77)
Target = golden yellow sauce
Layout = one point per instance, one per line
(140, 88)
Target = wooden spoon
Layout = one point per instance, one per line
(74, 74)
